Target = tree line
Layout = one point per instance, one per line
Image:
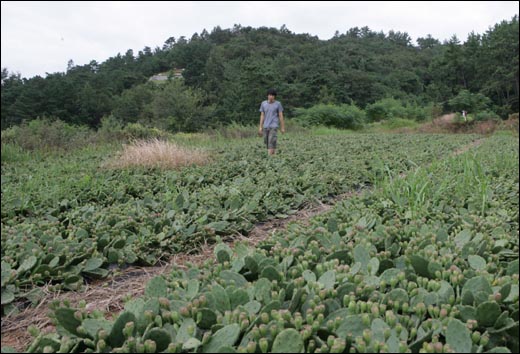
(226, 73)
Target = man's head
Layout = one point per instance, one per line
(271, 95)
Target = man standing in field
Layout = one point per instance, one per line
(271, 114)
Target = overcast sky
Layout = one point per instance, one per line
(40, 37)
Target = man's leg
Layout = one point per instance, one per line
(272, 141)
(266, 138)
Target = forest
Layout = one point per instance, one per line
(226, 73)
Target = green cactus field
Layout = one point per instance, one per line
(422, 256)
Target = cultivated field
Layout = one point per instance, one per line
(416, 251)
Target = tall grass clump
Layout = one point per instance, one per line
(155, 153)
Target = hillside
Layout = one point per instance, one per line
(227, 72)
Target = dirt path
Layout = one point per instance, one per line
(107, 294)
(472, 145)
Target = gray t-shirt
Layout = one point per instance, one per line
(271, 113)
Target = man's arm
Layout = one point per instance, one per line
(261, 123)
(282, 122)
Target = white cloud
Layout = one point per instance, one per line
(39, 37)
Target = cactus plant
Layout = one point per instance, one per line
(352, 326)
(328, 279)
(288, 341)
(231, 277)
(185, 332)
(476, 262)
(271, 273)
(116, 337)
(420, 265)
(161, 338)
(458, 337)
(93, 326)
(67, 320)
(156, 287)
(226, 336)
(487, 313)
(251, 264)
(223, 253)
(206, 318)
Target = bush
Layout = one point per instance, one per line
(138, 131)
(386, 108)
(48, 134)
(111, 129)
(486, 115)
(418, 113)
(344, 116)
(9, 135)
(390, 108)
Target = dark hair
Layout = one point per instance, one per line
(271, 92)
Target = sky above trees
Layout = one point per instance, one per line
(41, 37)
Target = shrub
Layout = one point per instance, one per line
(418, 113)
(138, 131)
(390, 108)
(110, 129)
(344, 116)
(48, 134)
(386, 108)
(486, 115)
(9, 135)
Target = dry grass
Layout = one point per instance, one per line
(157, 153)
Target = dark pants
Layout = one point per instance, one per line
(270, 137)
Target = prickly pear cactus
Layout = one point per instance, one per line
(226, 336)
(288, 341)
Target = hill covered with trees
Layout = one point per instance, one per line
(227, 72)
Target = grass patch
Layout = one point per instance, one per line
(157, 153)
(13, 153)
(322, 130)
